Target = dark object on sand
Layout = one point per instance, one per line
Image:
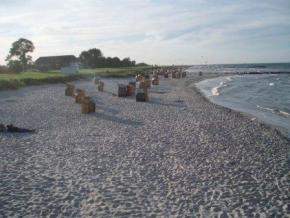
(69, 91)
(147, 76)
(11, 128)
(122, 90)
(130, 90)
(173, 75)
(101, 86)
(141, 96)
(155, 81)
(200, 73)
(144, 84)
(88, 106)
(132, 83)
(80, 94)
(2, 128)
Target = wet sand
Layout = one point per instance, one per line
(178, 155)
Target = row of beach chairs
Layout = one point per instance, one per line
(140, 88)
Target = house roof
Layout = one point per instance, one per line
(56, 59)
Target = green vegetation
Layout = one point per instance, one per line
(19, 50)
(14, 81)
(13, 77)
(94, 58)
(115, 72)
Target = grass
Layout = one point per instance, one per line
(14, 81)
(115, 72)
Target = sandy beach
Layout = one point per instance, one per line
(178, 155)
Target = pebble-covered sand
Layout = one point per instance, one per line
(175, 156)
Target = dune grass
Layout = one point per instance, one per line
(14, 81)
(115, 72)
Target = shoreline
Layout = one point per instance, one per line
(281, 130)
(177, 155)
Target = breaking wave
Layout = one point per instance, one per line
(254, 94)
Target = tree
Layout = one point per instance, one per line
(116, 62)
(19, 50)
(142, 64)
(5, 69)
(126, 62)
(102, 62)
(93, 58)
(109, 62)
(90, 58)
(95, 52)
(84, 59)
(15, 66)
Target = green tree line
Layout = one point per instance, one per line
(19, 59)
(94, 58)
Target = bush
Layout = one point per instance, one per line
(142, 65)
(15, 66)
(32, 70)
(6, 70)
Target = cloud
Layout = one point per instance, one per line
(155, 31)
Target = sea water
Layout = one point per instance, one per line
(266, 96)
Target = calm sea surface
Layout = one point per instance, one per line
(266, 96)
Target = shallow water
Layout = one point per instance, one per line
(265, 96)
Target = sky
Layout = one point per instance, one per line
(152, 31)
